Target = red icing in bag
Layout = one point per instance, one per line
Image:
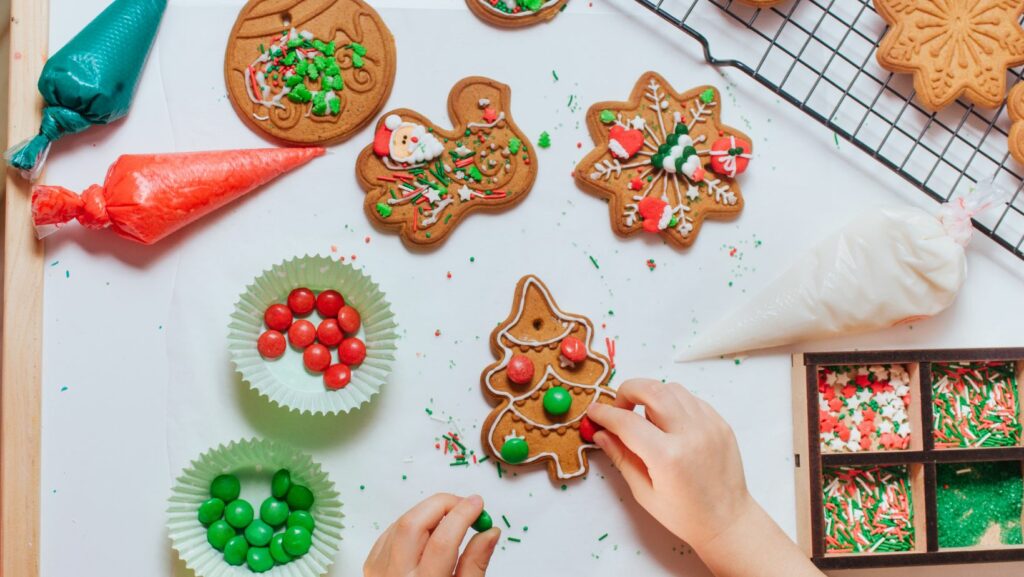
(146, 197)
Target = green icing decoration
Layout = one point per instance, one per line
(358, 48)
(607, 116)
(92, 79)
(474, 173)
(545, 140)
(533, 5)
(708, 96)
(514, 144)
(979, 500)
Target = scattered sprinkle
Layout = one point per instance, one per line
(651, 265)
(594, 262)
(555, 75)
(603, 537)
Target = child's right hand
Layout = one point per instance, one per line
(681, 462)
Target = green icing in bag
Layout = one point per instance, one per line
(92, 79)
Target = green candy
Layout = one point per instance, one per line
(219, 534)
(274, 512)
(483, 522)
(545, 140)
(238, 513)
(299, 498)
(607, 116)
(226, 488)
(557, 400)
(708, 96)
(301, 519)
(211, 510)
(531, 4)
(514, 144)
(258, 533)
(259, 559)
(277, 550)
(235, 550)
(280, 483)
(475, 173)
(297, 541)
(515, 450)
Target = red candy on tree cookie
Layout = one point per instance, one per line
(573, 351)
(520, 370)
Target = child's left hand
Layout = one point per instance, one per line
(425, 541)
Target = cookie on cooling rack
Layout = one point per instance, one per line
(1015, 107)
(953, 49)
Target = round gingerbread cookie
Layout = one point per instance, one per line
(516, 13)
(309, 71)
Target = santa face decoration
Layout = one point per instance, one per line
(664, 161)
(421, 179)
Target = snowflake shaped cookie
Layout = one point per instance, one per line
(664, 160)
(953, 47)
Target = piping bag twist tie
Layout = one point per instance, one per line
(56, 205)
(57, 122)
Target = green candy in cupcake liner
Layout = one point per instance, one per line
(285, 381)
(254, 461)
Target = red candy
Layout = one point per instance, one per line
(301, 301)
(329, 333)
(302, 334)
(316, 357)
(588, 428)
(278, 317)
(352, 351)
(573, 349)
(271, 344)
(329, 302)
(337, 377)
(520, 369)
(348, 318)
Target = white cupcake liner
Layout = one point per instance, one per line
(285, 381)
(252, 458)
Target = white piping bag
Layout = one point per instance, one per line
(888, 266)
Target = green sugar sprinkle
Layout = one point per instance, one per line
(603, 537)
(594, 262)
(515, 539)
(979, 502)
(555, 74)
(505, 519)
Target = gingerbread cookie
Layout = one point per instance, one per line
(309, 71)
(516, 13)
(546, 376)
(664, 160)
(421, 179)
(953, 49)
(1015, 107)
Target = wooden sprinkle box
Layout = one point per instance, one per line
(978, 428)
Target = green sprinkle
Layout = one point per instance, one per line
(515, 539)
(555, 74)
(545, 140)
(505, 519)
(708, 96)
(514, 144)
(603, 537)
(383, 209)
(593, 261)
(607, 116)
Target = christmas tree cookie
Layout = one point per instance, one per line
(516, 13)
(309, 72)
(546, 376)
(422, 179)
(664, 160)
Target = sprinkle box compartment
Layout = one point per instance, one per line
(909, 457)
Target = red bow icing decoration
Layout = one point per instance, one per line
(730, 156)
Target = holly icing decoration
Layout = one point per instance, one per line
(297, 67)
(664, 160)
(541, 421)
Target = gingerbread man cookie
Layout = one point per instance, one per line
(516, 13)
(664, 160)
(1015, 107)
(421, 179)
(309, 71)
(953, 47)
(546, 376)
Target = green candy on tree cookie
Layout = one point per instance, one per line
(239, 513)
(299, 498)
(515, 450)
(226, 488)
(557, 400)
(301, 519)
(258, 533)
(211, 510)
(483, 522)
(274, 512)
(235, 550)
(219, 534)
(280, 484)
(259, 559)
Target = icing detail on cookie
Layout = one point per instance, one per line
(516, 13)
(953, 48)
(562, 393)
(429, 177)
(517, 8)
(657, 168)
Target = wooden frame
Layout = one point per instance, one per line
(20, 375)
(921, 459)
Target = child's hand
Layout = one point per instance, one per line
(681, 462)
(425, 541)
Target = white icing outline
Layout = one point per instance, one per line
(501, 117)
(547, 4)
(570, 321)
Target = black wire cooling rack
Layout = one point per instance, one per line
(820, 57)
